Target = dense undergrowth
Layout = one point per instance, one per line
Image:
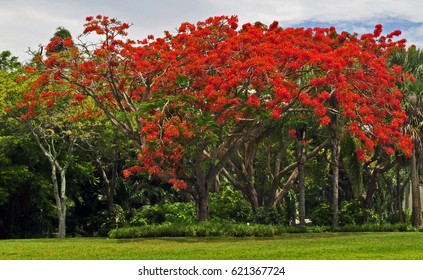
(207, 229)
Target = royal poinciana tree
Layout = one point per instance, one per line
(191, 99)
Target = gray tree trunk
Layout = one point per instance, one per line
(301, 159)
(335, 155)
(416, 212)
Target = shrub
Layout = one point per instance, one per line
(351, 213)
(239, 230)
(271, 216)
(180, 212)
(230, 205)
(318, 229)
(296, 229)
(170, 213)
(322, 215)
(109, 221)
(264, 230)
(206, 229)
(375, 228)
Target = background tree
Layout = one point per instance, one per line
(54, 117)
(411, 62)
(25, 207)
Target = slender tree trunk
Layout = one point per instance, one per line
(59, 192)
(109, 184)
(335, 155)
(399, 194)
(62, 225)
(286, 187)
(301, 157)
(416, 213)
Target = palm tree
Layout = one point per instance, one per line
(411, 62)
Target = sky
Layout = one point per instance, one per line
(27, 24)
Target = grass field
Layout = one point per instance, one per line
(315, 246)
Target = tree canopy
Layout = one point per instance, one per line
(214, 98)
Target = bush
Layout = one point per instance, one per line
(164, 213)
(322, 215)
(109, 221)
(296, 229)
(230, 205)
(206, 229)
(180, 212)
(264, 230)
(375, 228)
(164, 230)
(351, 213)
(271, 216)
(239, 230)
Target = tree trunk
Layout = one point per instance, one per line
(399, 194)
(301, 156)
(62, 224)
(416, 212)
(253, 199)
(285, 189)
(59, 193)
(335, 155)
(202, 203)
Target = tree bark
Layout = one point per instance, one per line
(416, 212)
(59, 193)
(301, 158)
(202, 203)
(399, 194)
(335, 155)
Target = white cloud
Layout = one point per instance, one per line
(414, 36)
(28, 23)
(321, 10)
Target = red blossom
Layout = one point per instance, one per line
(253, 100)
(360, 154)
(276, 113)
(292, 133)
(178, 184)
(79, 97)
(325, 121)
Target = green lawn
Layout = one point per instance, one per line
(316, 246)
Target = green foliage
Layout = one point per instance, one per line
(8, 62)
(166, 230)
(26, 208)
(177, 212)
(322, 215)
(109, 221)
(63, 33)
(207, 229)
(271, 215)
(230, 205)
(353, 167)
(351, 213)
(376, 228)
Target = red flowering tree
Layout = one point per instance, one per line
(190, 100)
